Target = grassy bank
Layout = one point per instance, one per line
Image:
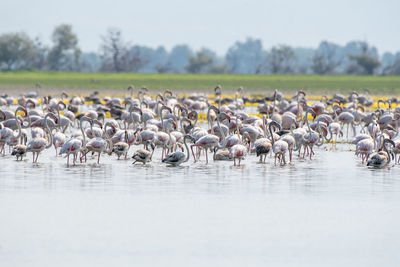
(388, 85)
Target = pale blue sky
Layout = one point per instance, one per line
(211, 23)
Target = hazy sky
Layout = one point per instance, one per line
(211, 23)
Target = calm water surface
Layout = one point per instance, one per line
(331, 211)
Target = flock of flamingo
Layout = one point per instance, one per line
(32, 123)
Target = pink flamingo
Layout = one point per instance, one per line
(99, 144)
(74, 145)
(37, 145)
(206, 142)
(7, 134)
(279, 147)
(58, 141)
(365, 148)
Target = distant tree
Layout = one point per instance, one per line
(394, 69)
(163, 68)
(390, 64)
(178, 58)
(116, 55)
(365, 63)
(326, 58)
(152, 60)
(65, 53)
(17, 51)
(221, 68)
(246, 57)
(199, 63)
(282, 59)
(90, 62)
(113, 49)
(41, 53)
(304, 58)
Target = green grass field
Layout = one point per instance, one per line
(380, 85)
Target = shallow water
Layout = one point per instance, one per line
(330, 211)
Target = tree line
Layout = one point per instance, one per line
(18, 51)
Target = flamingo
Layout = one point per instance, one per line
(263, 145)
(38, 144)
(278, 147)
(99, 144)
(178, 157)
(365, 148)
(143, 155)
(382, 158)
(75, 145)
(310, 138)
(238, 151)
(19, 151)
(221, 155)
(346, 118)
(58, 141)
(208, 141)
(121, 148)
(7, 135)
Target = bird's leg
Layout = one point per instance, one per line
(260, 159)
(33, 157)
(68, 160)
(37, 155)
(265, 156)
(290, 155)
(234, 161)
(275, 160)
(347, 134)
(191, 148)
(98, 159)
(205, 150)
(239, 161)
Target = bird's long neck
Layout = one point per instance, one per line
(210, 122)
(221, 131)
(49, 131)
(264, 127)
(273, 106)
(307, 122)
(237, 129)
(59, 118)
(83, 133)
(19, 128)
(108, 139)
(272, 134)
(187, 150)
